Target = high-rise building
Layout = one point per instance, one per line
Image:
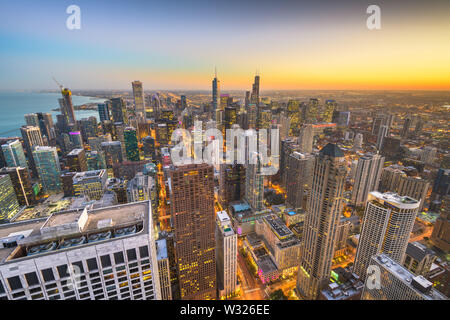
(76, 140)
(139, 100)
(299, 177)
(67, 106)
(386, 227)
(31, 137)
(91, 184)
(367, 177)
(428, 154)
(215, 93)
(140, 188)
(254, 98)
(406, 127)
(95, 160)
(441, 230)
(31, 119)
(131, 144)
(397, 283)
(382, 133)
(254, 183)
(162, 257)
(324, 208)
(418, 258)
(358, 141)
(231, 183)
(47, 165)
(67, 183)
(106, 253)
(103, 111)
(226, 255)
(76, 160)
(14, 155)
(9, 206)
(193, 218)
(119, 110)
(306, 138)
(21, 181)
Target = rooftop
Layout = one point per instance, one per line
(401, 202)
(332, 150)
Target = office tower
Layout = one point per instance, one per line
(162, 257)
(96, 142)
(287, 147)
(31, 137)
(31, 119)
(428, 154)
(21, 181)
(139, 100)
(88, 128)
(226, 255)
(47, 165)
(106, 253)
(95, 160)
(311, 111)
(192, 210)
(14, 155)
(140, 188)
(391, 149)
(406, 126)
(254, 98)
(414, 187)
(119, 110)
(131, 144)
(76, 140)
(419, 127)
(67, 106)
(91, 184)
(441, 185)
(327, 114)
(216, 93)
(9, 206)
(397, 283)
(103, 111)
(230, 117)
(387, 223)
(342, 234)
(149, 148)
(254, 183)
(322, 218)
(358, 141)
(441, 230)
(113, 153)
(367, 177)
(418, 258)
(299, 177)
(231, 183)
(76, 160)
(382, 133)
(306, 138)
(67, 183)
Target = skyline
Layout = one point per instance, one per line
(172, 46)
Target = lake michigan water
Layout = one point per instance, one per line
(14, 105)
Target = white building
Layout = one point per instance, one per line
(102, 254)
(367, 177)
(226, 255)
(386, 227)
(397, 283)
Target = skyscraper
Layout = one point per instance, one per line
(367, 177)
(306, 138)
(441, 230)
(299, 177)
(322, 218)
(215, 93)
(382, 133)
(139, 100)
(14, 155)
(254, 183)
(387, 223)
(47, 165)
(254, 98)
(31, 137)
(103, 111)
(91, 184)
(231, 183)
(21, 181)
(119, 110)
(76, 160)
(67, 106)
(113, 153)
(226, 255)
(9, 206)
(131, 144)
(192, 210)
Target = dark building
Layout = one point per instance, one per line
(76, 160)
(119, 110)
(232, 183)
(441, 185)
(67, 183)
(441, 230)
(21, 181)
(128, 169)
(119, 187)
(193, 218)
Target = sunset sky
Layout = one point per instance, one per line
(175, 45)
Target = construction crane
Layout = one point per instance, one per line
(59, 84)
